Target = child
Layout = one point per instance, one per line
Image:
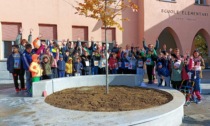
(140, 66)
(124, 63)
(35, 69)
(132, 64)
(46, 65)
(61, 67)
(176, 78)
(86, 62)
(55, 52)
(66, 56)
(102, 64)
(69, 67)
(163, 73)
(26, 59)
(15, 66)
(113, 64)
(95, 62)
(78, 67)
(186, 86)
(195, 65)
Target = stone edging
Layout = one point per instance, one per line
(169, 114)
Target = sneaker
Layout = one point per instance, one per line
(150, 82)
(198, 101)
(23, 89)
(187, 103)
(17, 90)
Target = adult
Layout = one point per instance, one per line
(151, 57)
(150, 46)
(197, 68)
(115, 49)
(22, 42)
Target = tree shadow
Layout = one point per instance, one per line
(98, 25)
(191, 121)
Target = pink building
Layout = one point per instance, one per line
(174, 22)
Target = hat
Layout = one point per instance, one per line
(34, 57)
(44, 56)
(159, 63)
(177, 64)
(69, 58)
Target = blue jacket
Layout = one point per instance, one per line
(26, 59)
(10, 63)
(163, 72)
(78, 67)
(61, 65)
(123, 60)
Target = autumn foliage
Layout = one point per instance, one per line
(107, 11)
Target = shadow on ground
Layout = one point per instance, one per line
(191, 121)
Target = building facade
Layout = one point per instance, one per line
(173, 22)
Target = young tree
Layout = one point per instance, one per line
(109, 12)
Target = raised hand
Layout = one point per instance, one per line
(21, 30)
(92, 38)
(40, 36)
(31, 30)
(170, 50)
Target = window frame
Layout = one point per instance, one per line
(170, 1)
(199, 3)
(3, 48)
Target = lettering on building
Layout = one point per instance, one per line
(187, 13)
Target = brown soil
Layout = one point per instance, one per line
(120, 98)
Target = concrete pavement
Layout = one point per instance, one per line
(18, 110)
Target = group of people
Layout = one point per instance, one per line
(43, 59)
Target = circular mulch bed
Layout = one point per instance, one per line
(120, 98)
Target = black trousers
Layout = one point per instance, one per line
(18, 74)
(176, 84)
(45, 77)
(150, 69)
(102, 70)
(54, 72)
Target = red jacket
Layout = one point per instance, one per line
(113, 63)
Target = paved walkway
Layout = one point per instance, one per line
(19, 110)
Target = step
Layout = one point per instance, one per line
(3, 66)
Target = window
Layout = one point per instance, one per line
(110, 35)
(200, 2)
(48, 31)
(9, 34)
(168, 0)
(7, 45)
(79, 32)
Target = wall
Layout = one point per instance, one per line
(185, 26)
(59, 12)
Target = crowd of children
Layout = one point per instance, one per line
(51, 59)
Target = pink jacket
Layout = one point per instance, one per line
(54, 64)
